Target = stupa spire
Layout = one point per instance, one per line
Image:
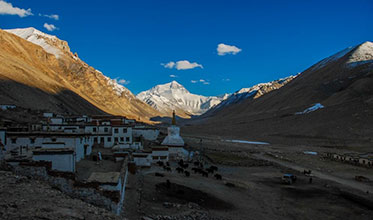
(173, 118)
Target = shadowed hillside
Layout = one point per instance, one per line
(343, 85)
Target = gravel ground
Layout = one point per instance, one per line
(22, 198)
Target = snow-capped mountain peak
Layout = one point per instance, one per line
(357, 55)
(174, 96)
(175, 85)
(49, 43)
(362, 54)
(59, 48)
(172, 87)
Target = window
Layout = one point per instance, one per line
(116, 140)
(124, 130)
(106, 129)
(109, 139)
(94, 129)
(14, 140)
(127, 139)
(32, 140)
(116, 130)
(121, 139)
(54, 139)
(95, 139)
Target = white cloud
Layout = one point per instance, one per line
(224, 49)
(50, 27)
(52, 16)
(123, 82)
(8, 9)
(173, 76)
(169, 65)
(185, 64)
(182, 65)
(226, 80)
(204, 82)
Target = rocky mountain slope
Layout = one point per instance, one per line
(330, 103)
(173, 96)
(38, 71)
(253, 92)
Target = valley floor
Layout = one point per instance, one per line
(251, 187)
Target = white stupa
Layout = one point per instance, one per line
(173, 138)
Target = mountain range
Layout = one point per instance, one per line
(173, 96)
(38, 71)
(253, 92)
(330, 103)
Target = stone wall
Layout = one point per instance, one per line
(88, 192)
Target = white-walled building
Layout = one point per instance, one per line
(108, 136)
(142, 159)
(63, 159)
(56, 120)
(68, 128)
(81, 143)
(160, 153)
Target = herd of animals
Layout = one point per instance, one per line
(199, 168)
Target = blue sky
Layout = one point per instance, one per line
(130, 40)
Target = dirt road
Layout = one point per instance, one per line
(349, 183)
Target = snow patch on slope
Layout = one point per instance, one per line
(37, 37)
(311, 109)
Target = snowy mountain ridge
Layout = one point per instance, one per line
(52, 67)
(47, 42)
(254, 92)
(59, 48)
(174, 96)
(357, 55)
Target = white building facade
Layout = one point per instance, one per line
(63, 159)
(81, 143)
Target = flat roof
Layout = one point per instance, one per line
(104, 177)
(40, 133)
(43, 151)
(140, 154)
(159, 148)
